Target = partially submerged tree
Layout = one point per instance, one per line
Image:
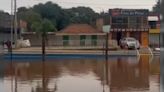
(42, 28)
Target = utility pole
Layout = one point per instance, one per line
(15, 22)
(106, 29)
(11, 35)
(106, 51)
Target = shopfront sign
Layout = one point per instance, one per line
(106, 28)
(129, 12)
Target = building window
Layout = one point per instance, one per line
(65, 40)
(135, 22)
(82, 40)
(152, 24)
(119, 22)
(94, 40)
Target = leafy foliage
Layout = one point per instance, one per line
(43, 27)
(59, 17)
(30, 17)
(156, 8)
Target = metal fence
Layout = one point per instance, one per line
(83, 43)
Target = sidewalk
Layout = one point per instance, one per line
(72, 50)
(60, 50)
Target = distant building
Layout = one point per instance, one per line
(74, 35)
(127, 23)
(5, 27)
(154, 32)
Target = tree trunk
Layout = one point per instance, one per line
(43, 46)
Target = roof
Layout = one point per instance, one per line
(79, 28)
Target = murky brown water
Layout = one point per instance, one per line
(118, 74)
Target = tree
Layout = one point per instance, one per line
(59, 17)
(22, 9)
(82, 15)
(42, 28)
(29, 16)
(156, 7)
(47, 26)
(50, 11)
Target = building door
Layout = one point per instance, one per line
(65, 40)
(82, 40)
(119, 36)
(94, 40)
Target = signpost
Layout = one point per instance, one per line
(106, 29)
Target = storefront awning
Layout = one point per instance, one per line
(153, 18)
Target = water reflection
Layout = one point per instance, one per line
(118, 74)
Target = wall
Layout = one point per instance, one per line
(4, 37)
(154, 40)
(145, 39)
(74, 40)
(35, 40)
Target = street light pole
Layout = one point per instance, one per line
(106, 29)
(15, 22)
(106, 51)
(11, 35)
(11, 31)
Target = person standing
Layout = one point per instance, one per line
(8, 44)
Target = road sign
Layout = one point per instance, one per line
(106, 28)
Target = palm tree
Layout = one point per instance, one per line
(42, 28)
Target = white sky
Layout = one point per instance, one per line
(97, 5)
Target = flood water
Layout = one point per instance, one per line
(118, 74)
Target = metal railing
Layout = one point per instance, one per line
(82, 43)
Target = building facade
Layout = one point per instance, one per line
(154, 32)
(77, 36)
(127, 23)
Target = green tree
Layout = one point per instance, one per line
(29, 16)
(82, 15)
(47, 26)
(58, 16)
(156, 7)
(22, 9)
(50, 11)
(42, 28)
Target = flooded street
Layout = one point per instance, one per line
(118, 74)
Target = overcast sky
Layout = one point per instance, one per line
(97, 5)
